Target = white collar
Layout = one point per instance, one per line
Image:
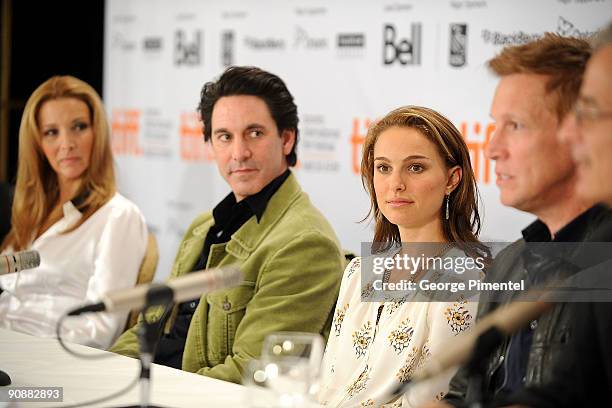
(71, 216)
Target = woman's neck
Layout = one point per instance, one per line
(431, 232)
(67, 190)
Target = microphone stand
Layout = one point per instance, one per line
(147, 337)
(5, 379)
(485, 345)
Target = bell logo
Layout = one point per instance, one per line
(125, 125)
(406, 51)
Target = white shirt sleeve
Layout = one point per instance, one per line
(118, 255)
(103, 254)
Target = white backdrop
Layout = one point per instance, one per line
(346, 63)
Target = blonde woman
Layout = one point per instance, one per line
(416, 169)
(91, 239)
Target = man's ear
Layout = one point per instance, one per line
(288, 136)
(454, 178)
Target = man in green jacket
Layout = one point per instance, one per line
(288, 253)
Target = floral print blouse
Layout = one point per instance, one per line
(365, 361)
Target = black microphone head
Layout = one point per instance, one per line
(4, 379)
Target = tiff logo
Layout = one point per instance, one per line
(125, 132)
(458, 43)
(227, 48)
(187, 52)
(192, 146)
(406, 51)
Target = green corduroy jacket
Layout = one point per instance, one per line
(292, 264)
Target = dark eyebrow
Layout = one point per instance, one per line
(251, 126)
(412, 157)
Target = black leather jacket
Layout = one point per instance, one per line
(551, 331)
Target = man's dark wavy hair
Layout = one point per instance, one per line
(256, 82)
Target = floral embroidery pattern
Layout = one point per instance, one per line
(368, 403)
(360, 383)
(405, 372)
(362, 339)
(425, 354)
(392, 307)
(366, 292)
(400, 338)
(458, 317)
(339, 318)
(395, 304)
(356, 265)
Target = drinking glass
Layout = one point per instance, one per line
(288, 371)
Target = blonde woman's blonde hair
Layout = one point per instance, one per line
(37, 189)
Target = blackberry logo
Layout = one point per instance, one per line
(268, 43)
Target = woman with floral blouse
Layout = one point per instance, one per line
(416, 168)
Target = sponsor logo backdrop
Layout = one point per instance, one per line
(347, 64)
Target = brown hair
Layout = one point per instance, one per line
(37, 189)
(463, 224)
(253, 81)
(562, 59)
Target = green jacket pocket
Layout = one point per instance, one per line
(226, 310)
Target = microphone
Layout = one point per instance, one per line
(19, 261)
(188, 287)
(487, 333)
(507, 319)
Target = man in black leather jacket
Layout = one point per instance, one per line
(539, 83)
(584, 376)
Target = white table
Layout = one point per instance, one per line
(36, 362)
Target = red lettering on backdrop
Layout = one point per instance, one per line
(125, 132)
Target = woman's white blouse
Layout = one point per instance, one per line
(365, 361)
(102, 255)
